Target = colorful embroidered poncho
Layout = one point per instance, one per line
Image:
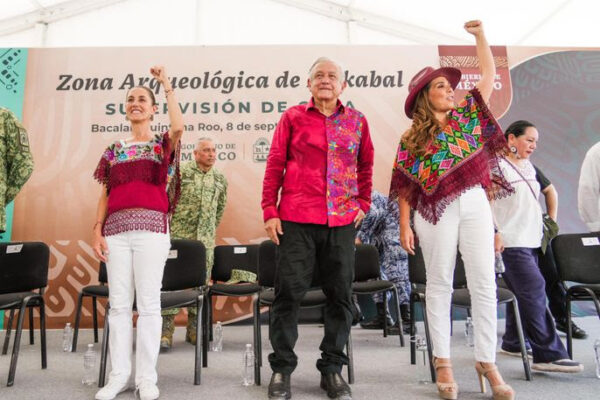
(462, 156)
(142, 182)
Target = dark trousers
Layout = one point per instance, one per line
(524, 279)
(306, 250)
(555, 290)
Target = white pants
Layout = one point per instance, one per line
(467, 221)
(136, 262)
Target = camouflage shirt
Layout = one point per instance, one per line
(200, 207)
(16, 162)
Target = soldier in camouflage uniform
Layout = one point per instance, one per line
(380, 227)
(16, 162)
(198, 213)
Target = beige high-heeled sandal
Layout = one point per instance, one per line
(446, 390)
(499, 392)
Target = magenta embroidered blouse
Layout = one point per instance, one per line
(142, 181)
(463, 155)
(322, 165)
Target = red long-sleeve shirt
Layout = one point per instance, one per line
(323, 166)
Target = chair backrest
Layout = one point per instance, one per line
(102, 274)
(417, 274)
(416, 267)
(23, 266)
(366, 264)
(243, 257)
(577, 257)
(267, 263)
(186, 265)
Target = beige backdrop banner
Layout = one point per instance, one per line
(73, 110)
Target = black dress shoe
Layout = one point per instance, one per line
(335, 386)
(279, 387)
(578, 333)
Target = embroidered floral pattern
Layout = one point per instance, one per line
(135, 220)
(144, 162)
(344, 132)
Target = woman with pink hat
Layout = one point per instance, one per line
(446, 169)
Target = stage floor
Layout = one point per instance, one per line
(382, 369)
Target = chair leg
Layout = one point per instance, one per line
(524, 356)
(258, 331)
(11, 316)
(104, 351)
(569, 327)
(256, 327)
(31, 338)
(77, 321)
(350, 359)
(451, 320)
(386, 311)
(413, 346)
(95, 318)
(428, 339)
(205, 329)
(43, 333)
(398, 315)
(199, 340)
(15, 353)
(209, 316)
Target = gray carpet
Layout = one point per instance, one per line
(382, 369)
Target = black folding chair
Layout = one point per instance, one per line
(183, 285)
(577, 258)
(227, 258)
(23, 277)
(314, 297)
(367, 280)
(93, 291)
(460, 298)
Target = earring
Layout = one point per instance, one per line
(513, 150)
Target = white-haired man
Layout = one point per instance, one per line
(321, 158)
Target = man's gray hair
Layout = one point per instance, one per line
(326, 59)
(204, 139)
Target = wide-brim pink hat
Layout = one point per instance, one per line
(422, 78)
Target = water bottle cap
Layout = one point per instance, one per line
(248, 346)
(90, 346)
(68, 324)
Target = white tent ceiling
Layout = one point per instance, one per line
(59, 23)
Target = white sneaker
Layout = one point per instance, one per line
(111, 390)
(147, 390)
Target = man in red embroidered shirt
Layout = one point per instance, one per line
(320, 164)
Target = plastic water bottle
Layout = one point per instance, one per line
(469, 332)
(89, 366)
(597, 357)
(422, 355)
(67, 337)
(217, 344)
(248, 366)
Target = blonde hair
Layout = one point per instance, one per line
(425, 127)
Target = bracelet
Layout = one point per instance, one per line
(96, 224)
(168, 92)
